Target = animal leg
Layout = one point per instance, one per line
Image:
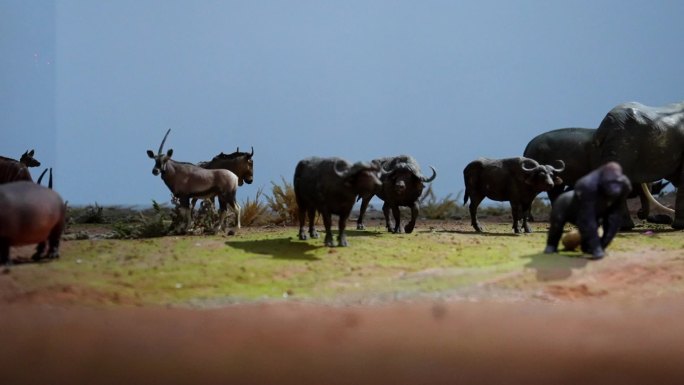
(53, 241)
(38, 255)
(312, 228)
(397, 220)
(185, 211)
(188, 218)
(302, 221)
(193, 201)
(526, 209)
(342, 237)
(555, 231)
(220, 223)
(4, 252)
(626, 222)
(516, 211)
(386, 213)
(474, 202)
(611, 225)
(236, 208)
(362, 212)
(327, 222)
(412, 223)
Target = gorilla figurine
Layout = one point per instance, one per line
(596, 200)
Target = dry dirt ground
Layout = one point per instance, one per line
(614, 321)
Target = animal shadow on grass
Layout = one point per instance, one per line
(279, 248)
(483, 234)
(554, 267)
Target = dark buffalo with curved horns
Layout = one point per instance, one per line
(518, 180)
(330, 186)
(13, 170)
(186, 181)
(402, 185)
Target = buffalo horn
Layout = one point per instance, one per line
(161, 146)
(529, 161)
(341, 174)
(430, 179)
(561, 168)
(252, 153)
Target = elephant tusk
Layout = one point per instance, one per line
(653, 201)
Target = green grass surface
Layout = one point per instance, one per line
(274, 264)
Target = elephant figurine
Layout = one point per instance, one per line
(648, 142)
(576, 148)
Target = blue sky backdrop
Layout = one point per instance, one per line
(91, 85)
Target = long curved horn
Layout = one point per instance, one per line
(50, 180)
(559, 169)
(40, 178)
(161, 146)
(653, 201)
(529, 161)
(252, 153)
(341, 174)
(430, 179)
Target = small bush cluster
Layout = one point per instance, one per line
(280, 208)
(283, 204)
(151, 223)
(255, 212)
(445, 208)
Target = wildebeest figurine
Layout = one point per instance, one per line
(12, 170)
(402, 185)
(186, 181)
(518, 180)
(30, 214)
(239, 163)
(330, 186)
(596, 200)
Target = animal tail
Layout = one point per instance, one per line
(471, 175)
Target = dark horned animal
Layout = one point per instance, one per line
(187, 181)
(12, 170)
(518, 180)
(330, 186)
(402, 185)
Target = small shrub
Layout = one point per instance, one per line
(255, 212)
(445, 208)
(148, 226)
(497, 210)
(283, 203)
(205, 218)
(91, 214)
